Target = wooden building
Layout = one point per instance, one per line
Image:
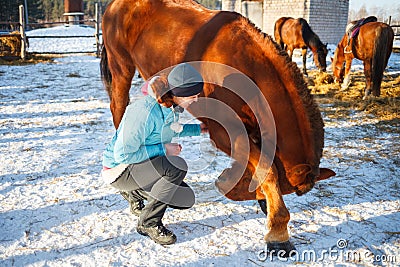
(73, 11)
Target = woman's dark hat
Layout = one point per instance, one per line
(184, 80)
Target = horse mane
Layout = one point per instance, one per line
(307, 110)
(309, 36)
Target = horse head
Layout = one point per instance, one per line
(337, 65)
(320, 57)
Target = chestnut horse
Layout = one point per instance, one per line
(293, 33)
(153, 35)
(373, 45)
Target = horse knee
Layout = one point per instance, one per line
(119, 102)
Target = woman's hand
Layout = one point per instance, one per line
(172, 149)
(204, 128)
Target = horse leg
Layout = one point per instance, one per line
(304, 54)
(263, 205)
(122, 74)
(119, 99)
(278, 216)
(347, 77)
(368, 82)
(256, 166)
(290, 52)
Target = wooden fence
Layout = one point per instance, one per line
(24, 39)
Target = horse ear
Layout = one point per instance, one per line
(325, 173)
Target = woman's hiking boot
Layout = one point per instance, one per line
(135, 204)
(158, 234)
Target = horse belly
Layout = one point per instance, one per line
(291, 35)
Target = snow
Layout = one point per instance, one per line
(54, 124)
(63, 45)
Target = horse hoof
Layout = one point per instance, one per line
(281, 249)
(367, 94)
(263, 205)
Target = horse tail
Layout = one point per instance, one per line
(105, 71)
(382, 49)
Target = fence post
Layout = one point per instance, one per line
(22, 31)
(97, 34)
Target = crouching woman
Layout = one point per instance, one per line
(141, 161)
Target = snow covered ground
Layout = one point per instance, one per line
(55, 210)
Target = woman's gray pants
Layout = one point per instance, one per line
(160, 181)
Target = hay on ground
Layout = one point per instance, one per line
(10, 45)
(385, 107)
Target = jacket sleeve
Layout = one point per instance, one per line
(130, 146)
(189, 130)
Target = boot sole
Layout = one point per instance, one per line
(155, 240)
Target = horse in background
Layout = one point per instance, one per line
(153, 35)
(293, 33)
(373, 45)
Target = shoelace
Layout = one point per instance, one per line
(140, 205)
(164, 231)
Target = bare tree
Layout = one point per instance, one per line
(382, 13)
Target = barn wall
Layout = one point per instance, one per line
(274, 9)
(253, 11)
(231, 5)
(327, 18)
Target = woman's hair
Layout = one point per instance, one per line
(162, 91)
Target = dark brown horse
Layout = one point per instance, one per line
(293, 33)
(373, 45)
(153, 35)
